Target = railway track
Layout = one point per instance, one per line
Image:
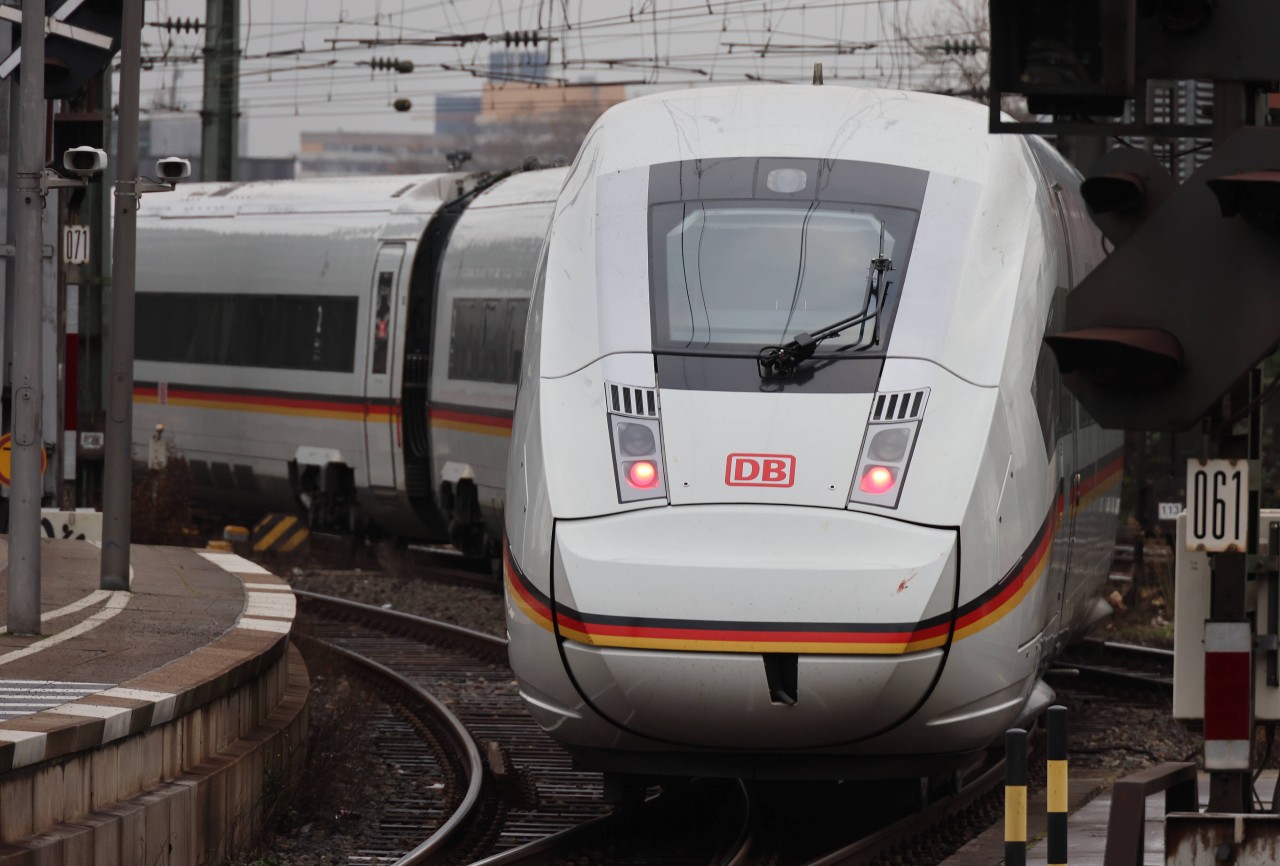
(502, 781)
(1148, 667)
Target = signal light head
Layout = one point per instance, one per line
(877, 480)
(643, 474)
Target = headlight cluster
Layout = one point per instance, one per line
(886, 451)
(637, 436)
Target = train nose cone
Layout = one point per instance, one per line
(753, 627)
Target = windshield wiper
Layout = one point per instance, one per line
(780, 362)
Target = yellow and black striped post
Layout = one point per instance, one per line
(279, 533)
(1057, 838)
(1015, 797)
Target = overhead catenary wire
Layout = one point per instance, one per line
(774, 36)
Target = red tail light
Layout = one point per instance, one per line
(642, 474)
(877, 480)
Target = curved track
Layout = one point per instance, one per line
(511, 783)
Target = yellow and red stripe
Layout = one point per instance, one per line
(830, 638)
(305, 405)
(497, 423)
(1103, 480)
(452, 418)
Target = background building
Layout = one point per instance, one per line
(348, 153)
(162, 134)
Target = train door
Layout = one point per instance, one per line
(1059, 419)
(381, 414)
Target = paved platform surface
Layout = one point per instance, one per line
(1087, 826)
(93, 639)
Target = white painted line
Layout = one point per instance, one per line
(28, 746)
(232, 562)
(116, 719)
(271, 604)
(115, 604)
(12, 706)
(268, 587)
(275, 625)
(17, 692)
(92, 598)
(58, 683)
(164, 701)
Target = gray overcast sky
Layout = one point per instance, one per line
(305, 67)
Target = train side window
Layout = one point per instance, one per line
(285, 332)
(465, 338)
(382, 321)
(487, 340)
(1086, 420)
(517, 315)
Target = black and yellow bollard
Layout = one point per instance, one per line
(1057, 827)
(1015, 797)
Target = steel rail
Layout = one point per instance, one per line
(456, 732)
(556, 841)
(736, 853)
(739, 852)
(1097, 653)
(490, 646)
(1131, 648)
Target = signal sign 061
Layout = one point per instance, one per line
(1217, 505)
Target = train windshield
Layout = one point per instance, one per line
(735, 274)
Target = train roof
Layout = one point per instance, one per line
(385, 194)
(918, 130)
(526, 187)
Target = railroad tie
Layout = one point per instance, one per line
(1015, 797)
(1057, 794)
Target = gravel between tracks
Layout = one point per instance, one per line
(472, 608)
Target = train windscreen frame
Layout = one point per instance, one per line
(796, 238)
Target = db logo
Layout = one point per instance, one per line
(760, 470)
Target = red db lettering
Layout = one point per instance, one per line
(774, 470)
(745, 469)
(760, 470)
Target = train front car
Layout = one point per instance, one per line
(794, 491)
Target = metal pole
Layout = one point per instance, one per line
(118, 472)
(27, 487)
(1232, 790)
(219, 115)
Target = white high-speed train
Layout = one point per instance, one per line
(795, 489)
(350, 346)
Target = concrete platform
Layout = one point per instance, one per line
(146, 721)
(1090, 803)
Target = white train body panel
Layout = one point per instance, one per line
(779, 621)
(485, 281)
(286, 337)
